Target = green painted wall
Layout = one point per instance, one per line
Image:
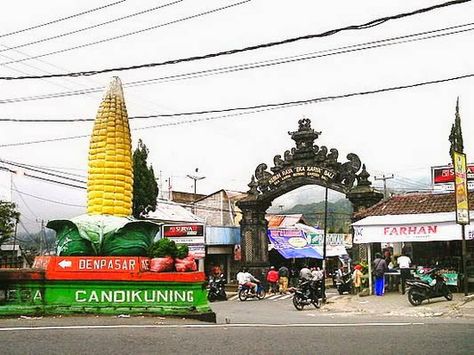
(107, 297)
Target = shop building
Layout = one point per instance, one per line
(221, 216)
(421, 224)
(182, 226)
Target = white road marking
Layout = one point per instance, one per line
(237, 325)
(287, 296)
(273, 297)
(233, 298)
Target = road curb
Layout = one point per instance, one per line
(468, 298)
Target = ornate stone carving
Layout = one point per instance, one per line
(262, 177)
(311, 163)
(304, 164)
(278, 162)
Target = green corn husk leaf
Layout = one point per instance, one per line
(69, 241)
(103, 236)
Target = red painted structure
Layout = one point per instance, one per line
(107, 268)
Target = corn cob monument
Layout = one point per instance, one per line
(101, 265)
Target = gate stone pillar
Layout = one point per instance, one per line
(253, 234)
(362, 196)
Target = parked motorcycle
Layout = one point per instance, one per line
(424, 289)
(248, 292)
(216, 288)
(308, 292)
(343, 283)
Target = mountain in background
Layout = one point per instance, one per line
(339, 214)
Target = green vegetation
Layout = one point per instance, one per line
(145, 188)
(182, 251)
(339, 214)
(8, 218)
(162, 248)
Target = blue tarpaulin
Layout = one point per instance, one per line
(292, 243)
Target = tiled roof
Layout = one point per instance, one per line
(414, 204)
(284, 220)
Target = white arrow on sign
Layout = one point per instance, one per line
(65, 263)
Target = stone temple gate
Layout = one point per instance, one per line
(305, 164)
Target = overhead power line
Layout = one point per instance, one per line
(42, 171)
(256, 108)
(266, 106)
(47, 199)
(61, 35)
(129, 33)
(446, 31)
(366, 25)
(61, 19)
(43, 178)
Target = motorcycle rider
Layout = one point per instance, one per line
(317, 273)
(305, 273)
(245, 278)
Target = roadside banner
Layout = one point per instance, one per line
(292, 243)
(460, 186)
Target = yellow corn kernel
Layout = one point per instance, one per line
(110, 180)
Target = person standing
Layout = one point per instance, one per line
(294, 276)
(380, 268)
(272, 278)
(404, 263)
(283, 274)
(357, 278)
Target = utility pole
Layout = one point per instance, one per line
(459, 161)
(323, 291)
(42, 236)
(160, 187)
(195, 178)
(384, 178)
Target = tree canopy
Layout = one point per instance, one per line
(8, 219)
(145, 188)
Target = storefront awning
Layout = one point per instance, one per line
(422, 227)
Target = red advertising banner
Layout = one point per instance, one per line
(442, 178)
(183, 230)
(190, 234)
(126, 264)
(118, 268)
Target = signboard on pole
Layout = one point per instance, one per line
(460, 185)
(442, 178)
(190, 234)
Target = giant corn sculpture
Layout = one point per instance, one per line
(107, 228)
(109, 187)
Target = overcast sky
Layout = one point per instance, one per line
(402, 132)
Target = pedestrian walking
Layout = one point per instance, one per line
(283, 274)
(272, 278)
(380, 268)
(404, 263)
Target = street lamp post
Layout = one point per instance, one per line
(195, 178)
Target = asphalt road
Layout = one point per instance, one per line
(271, 326)
(246, 339)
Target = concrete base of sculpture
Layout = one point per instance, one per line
(100, 290)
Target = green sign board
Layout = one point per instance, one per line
(104, 297)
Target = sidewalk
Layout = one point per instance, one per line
(395, 304)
